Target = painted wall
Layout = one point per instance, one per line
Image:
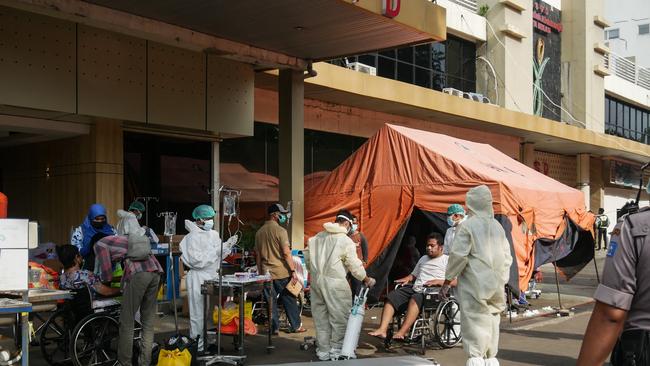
(626, 16)
(329, 117)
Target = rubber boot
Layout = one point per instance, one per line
(475, 361)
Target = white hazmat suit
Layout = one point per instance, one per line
(128, 224)
(329, 256)
(480, 259)
(200, 253)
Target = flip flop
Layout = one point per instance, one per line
(398, 338)
(299, 330)
(377, 336)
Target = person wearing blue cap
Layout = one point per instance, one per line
(455, 215)
(201, 253)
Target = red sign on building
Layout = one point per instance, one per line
(390, 8)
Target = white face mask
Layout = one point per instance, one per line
(208, 225)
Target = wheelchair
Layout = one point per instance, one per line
(84, 332)
(438, 322)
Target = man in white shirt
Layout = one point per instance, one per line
(428, 272)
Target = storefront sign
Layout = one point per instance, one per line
(547, 49)
(625, 175)
(390, 8)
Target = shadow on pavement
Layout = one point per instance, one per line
(534, 358)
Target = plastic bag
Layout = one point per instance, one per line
(230, 318)
(41, 276)
(174, 357)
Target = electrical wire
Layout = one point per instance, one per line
(581, 123)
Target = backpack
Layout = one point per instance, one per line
(603, 222)
(139, 248)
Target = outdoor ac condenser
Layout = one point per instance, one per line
(366, 69)
(452, 91)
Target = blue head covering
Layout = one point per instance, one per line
(89, 231)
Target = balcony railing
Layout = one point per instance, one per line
(627, 70)
(471, 5)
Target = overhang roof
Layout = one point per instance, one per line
(346, 87)
(314, 29)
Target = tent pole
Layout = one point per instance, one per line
(596, 266)
(557, 286)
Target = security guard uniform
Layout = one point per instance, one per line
(626, 285)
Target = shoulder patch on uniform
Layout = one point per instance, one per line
(612, 248)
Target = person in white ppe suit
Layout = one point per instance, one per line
(480, 259)
(455, 215)
(201, 254)
(129, 222)
(330, 255)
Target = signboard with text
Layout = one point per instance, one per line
(547, 47)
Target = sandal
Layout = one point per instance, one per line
(299, 330)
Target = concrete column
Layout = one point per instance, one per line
(583, 177)
(215, 183)
(582, 89)
(107, 157)
(512, 63)
(528, 154)
(292, 154)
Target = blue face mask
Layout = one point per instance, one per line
(355, 227)
(208, 225)
(450, 221)
(282, 219)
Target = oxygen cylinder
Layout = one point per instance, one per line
(355, 321)
(4, 202)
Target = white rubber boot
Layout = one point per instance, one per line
(475, 361)
(491, 362)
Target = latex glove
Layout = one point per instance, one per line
(444, 292)
(370, 282)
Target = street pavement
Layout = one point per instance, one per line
(540, 340)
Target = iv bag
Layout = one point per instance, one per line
(170, 223)
(229, 205)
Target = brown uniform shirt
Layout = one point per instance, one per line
(270, 240)
(625, 283)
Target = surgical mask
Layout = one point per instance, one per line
(138, 216)
(282, 219)
(450, 221)
(208, 225)
(98, 224)
(354, 227)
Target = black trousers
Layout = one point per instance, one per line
(602, 238)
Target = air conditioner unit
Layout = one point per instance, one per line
(480, 98)
(452, 91)
(366, 69)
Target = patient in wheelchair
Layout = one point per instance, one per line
(428, 272)
(74, 278)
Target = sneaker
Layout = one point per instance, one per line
(323, 356)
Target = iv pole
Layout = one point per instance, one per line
(146, 200)
(219, 358)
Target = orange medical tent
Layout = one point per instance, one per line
(400, 169)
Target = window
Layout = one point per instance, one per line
(644, 28)
(626, 120)
(612, 34)
(432, 65)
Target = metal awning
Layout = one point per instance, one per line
(311, 30)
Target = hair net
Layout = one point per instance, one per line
(203, 212)
(137, 205)
(455, 209)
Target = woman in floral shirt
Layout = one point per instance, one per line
(74, 277)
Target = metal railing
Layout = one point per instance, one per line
(471, 5)
(627, 70)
